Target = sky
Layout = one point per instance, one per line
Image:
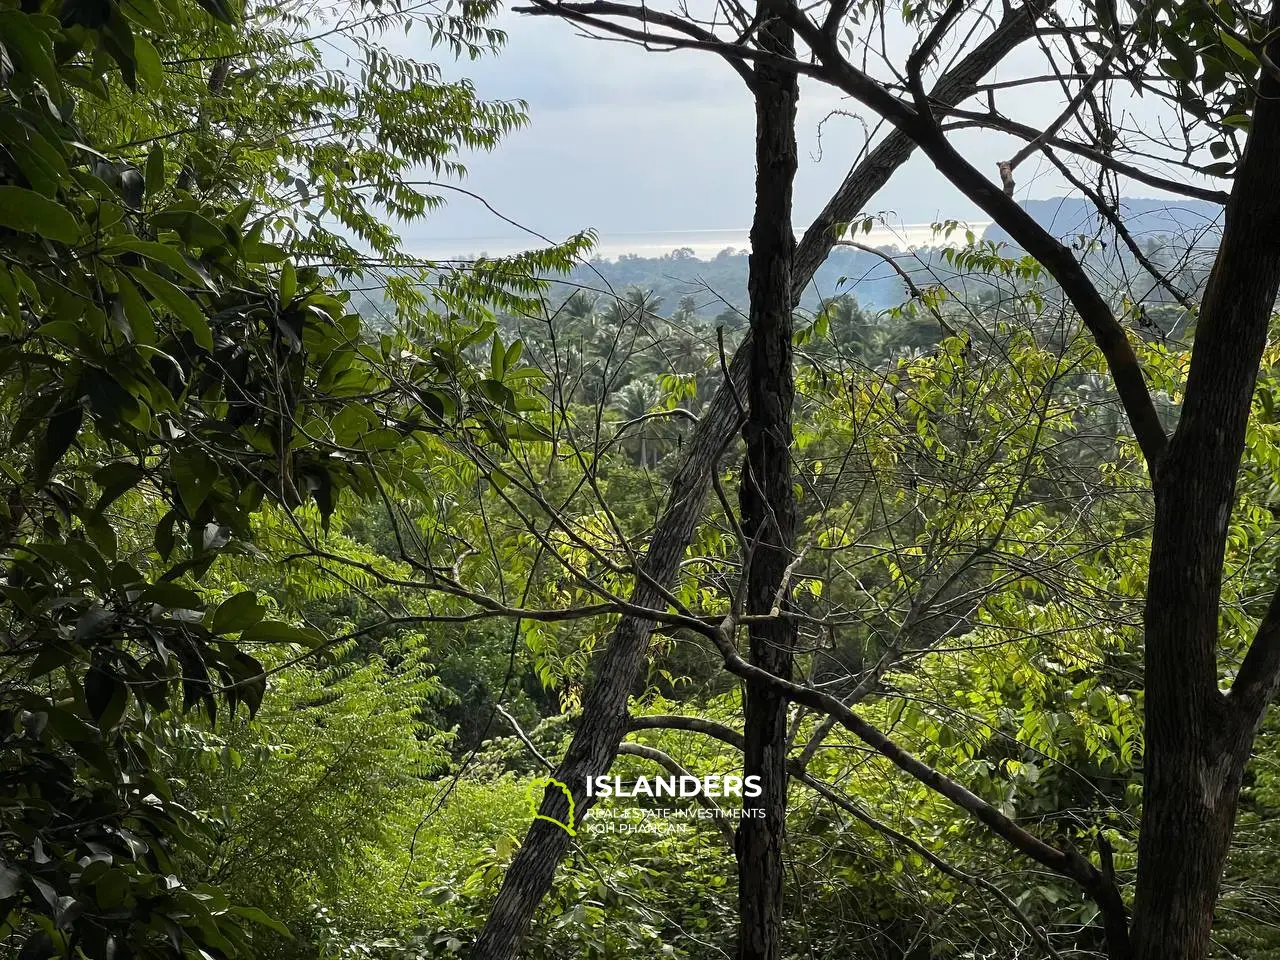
(631, 142)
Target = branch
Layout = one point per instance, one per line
(866, 178)
(912, 287)
(1258, 678)
(1014, 128)
(796, 768)
(1068, 863)
(524, 738)
(710, 728)
(589, 14)
(1051, 131)
(1094, 311)
(921, 55)
(669, 763)
(1117, 224)
(928, 855)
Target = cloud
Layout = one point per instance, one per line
(626, 141)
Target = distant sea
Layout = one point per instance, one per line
(705, 244)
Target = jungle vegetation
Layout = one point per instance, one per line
(319, 559)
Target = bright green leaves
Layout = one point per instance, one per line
(237, 613)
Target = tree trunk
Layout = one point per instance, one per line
(768, 504)
(604, 712)
(1198, 740)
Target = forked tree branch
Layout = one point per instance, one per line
(922, 127)
(1258, 679)
(1094, 311)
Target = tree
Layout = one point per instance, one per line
(767, 499)
(634, 402)
(176, 365)
(605, 705)
(1198, 739)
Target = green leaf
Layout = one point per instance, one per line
(163, 253)
(116, 37)
(155, 170)
(165, 537)
(105, 696)
(194, 228)
(275, 631)
(9, 302)
(512, 356)
(182, 306)
(497, 358)
(262, 252)
(136, 311)
(1237, 47)
(221, 9)
(29, 212)
(10, 882)
(171, 595)
(195, 473)
(236, 613)
(43, 164)
(288, 282)
(257, 916)
(29, 38)
(150, 69)
(251, 682)
(61, 432)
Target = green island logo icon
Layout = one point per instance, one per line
(534, 791)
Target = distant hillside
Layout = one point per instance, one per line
(1188, 222)
(719, 284)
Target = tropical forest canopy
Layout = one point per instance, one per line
(349, 598)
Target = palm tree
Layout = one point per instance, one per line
(851, 329)
(576, 315)
(633, 401)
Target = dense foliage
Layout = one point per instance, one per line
(309, 545)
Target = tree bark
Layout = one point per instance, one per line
(768, 503)
(604, 712)
(1197, 739)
